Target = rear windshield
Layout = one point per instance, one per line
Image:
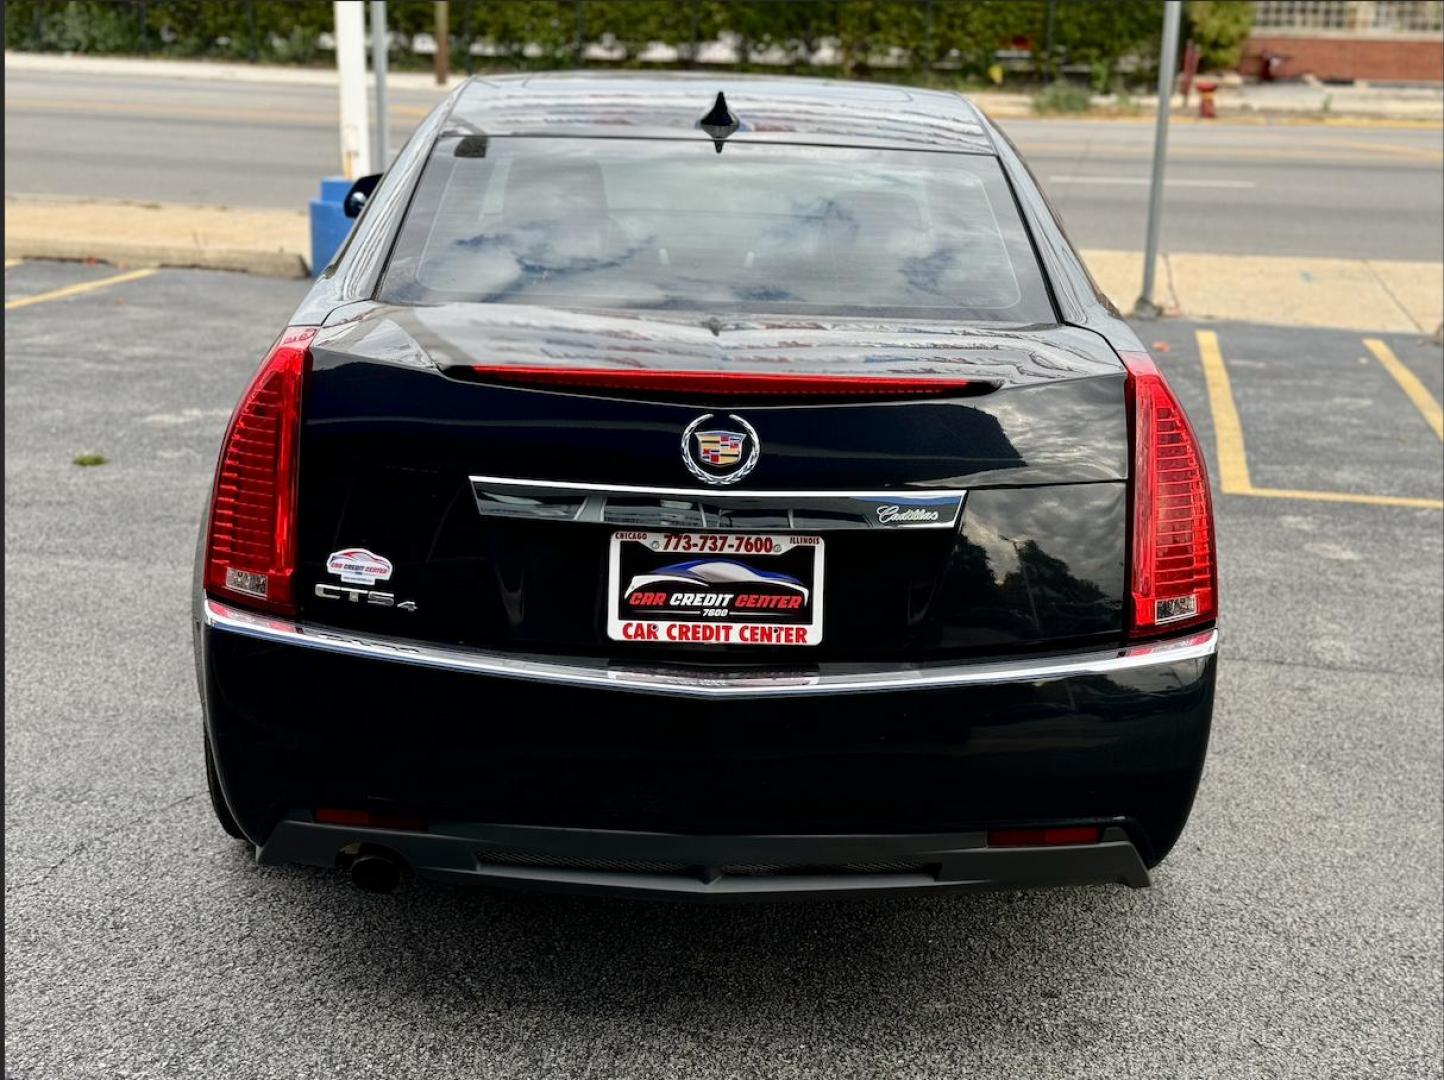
(759, 228)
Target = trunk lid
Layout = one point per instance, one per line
(494, 504)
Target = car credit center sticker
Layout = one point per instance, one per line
(710, 589)
(357, 566)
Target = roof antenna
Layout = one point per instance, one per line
(719, 123)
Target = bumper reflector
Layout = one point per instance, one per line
(334, 815)
(1046, 837)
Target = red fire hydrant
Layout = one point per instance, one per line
(1206, 87)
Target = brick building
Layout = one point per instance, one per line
(1349, 40)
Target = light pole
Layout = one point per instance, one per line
(380, 151)
(351, 77)
(1145, 308)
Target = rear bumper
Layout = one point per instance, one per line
(909, 761)
(661, 865)
(825, 679)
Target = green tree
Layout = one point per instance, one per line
(1219, 28)
(976, 29)
(868, 27)
(1103, 35)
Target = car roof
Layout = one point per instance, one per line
(770, 108)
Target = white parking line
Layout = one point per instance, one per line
(1142, 181)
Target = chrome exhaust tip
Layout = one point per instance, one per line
(376, 872)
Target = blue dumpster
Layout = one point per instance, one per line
(329, 223)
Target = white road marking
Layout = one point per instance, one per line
(1142, 181)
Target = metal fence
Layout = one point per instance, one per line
(1361, 17)
(1409, 16)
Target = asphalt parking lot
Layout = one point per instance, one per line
(1295, 931)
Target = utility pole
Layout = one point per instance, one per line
(443, 42)
(1048, 42)
(1145, 308)
(351, 77)
(380, 148)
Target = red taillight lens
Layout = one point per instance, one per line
(251, 545)
(723, 383)
(1174, 579)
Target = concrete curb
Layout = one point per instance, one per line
(272, 243)
(281, 264)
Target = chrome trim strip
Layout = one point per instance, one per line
(713, 496)
(604, 674)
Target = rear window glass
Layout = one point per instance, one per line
(672, 225)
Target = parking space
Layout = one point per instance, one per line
(1314, 415)
(1295, 931)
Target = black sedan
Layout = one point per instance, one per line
(707, 487)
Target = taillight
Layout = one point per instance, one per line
(1174, 578)
(251, 544)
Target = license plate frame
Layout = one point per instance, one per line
(773, 583)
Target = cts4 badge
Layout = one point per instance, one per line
(326, 591)
(720, 452)
(357, 566)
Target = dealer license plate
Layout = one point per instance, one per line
(686, 588)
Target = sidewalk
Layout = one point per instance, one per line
(1246, 103)
(1386, 295)
(150, 67)
(1424, 103)
(1345, 294)
(1254, 103)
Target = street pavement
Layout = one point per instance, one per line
(1310, 190)
(1294, 932)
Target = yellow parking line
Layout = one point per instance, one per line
(12, 262)
(1232, 461)
(1409, 382)
(1347, 497)
(1228, 433)
(76, 290)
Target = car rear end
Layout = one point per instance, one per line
(711, 525)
